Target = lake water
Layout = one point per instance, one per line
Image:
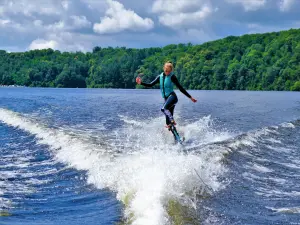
(103, 156)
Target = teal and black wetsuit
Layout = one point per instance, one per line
(167, 92)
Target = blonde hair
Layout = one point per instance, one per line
(169, 64)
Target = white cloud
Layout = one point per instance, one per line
(185, 19)
(95, 4)
(28, 7)
(182, 14)
(286, 5)
(43, 44)
(65, 4)
(67, 41)
(75, 23)
(118, 19)
(4, 22)
(38, 23)
(174, 6)
(11, 26)
(57, 26)
(80, 21)
(249, 5)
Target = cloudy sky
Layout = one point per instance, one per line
(80, 25)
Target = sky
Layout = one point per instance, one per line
(80, 25)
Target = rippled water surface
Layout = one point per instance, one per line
(103, 156)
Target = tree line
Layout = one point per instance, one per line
(269, 61)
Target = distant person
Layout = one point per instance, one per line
(166, 81)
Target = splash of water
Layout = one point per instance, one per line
(147, 174)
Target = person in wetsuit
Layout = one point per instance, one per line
(166, 81)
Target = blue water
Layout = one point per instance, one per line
(71, 156)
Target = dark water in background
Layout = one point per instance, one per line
(69, 156)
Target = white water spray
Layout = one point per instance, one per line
(149, 169)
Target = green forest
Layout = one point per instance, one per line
(269, 61)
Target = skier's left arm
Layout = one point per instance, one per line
(183, 91)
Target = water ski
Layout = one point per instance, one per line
(177, 137)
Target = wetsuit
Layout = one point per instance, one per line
(168, 94)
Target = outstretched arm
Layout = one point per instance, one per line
(176, 82)
(155, 81)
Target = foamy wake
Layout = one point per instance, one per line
(148, 172)
(288, 210)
